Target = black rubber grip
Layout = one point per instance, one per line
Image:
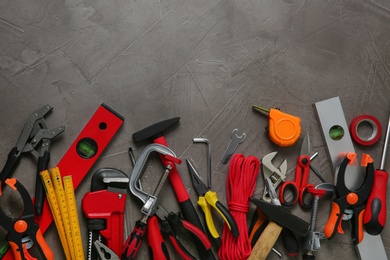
(134, 241)
(189, 214)
(43, 163)
(290, 242)
(229, 218)
(10, 165)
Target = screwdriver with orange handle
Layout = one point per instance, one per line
(375, 215)
(283, 129)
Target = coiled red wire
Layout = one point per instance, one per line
(240, 185)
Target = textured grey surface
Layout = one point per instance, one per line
(206, 61)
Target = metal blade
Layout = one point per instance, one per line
(305, 147)
(197, 180)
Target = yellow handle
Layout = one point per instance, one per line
(209, 217)
(265, 242)
(212, 199)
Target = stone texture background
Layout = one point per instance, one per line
(206, 61)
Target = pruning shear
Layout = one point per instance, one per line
(34, 132)
(299, 187)
(209, 198)
(20, 228)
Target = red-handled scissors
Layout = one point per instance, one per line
(299, 186)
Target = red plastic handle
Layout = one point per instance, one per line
(155, 240)
(286, 187)
(375, 214)
(134, 241)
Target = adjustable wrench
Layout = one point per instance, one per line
(275, 174)
(104, 208)
(234, 142)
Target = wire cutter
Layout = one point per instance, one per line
(299, 186)
(209, 198)
(34, 133)
(22, 227)
(347, 199)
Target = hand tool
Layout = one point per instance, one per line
(331, 118)
(62, 202)
(283, 129)
(104, 209)
(170, 222)
(155, 132)
(260, 222)
(173, 224)
(209, 198)
(299, 186)
(354, 200)
(272, 176)
(104, 252)
(92, 140)
(276, 174)
(357, 122)
(280, 217)
(206, 141)
(375, 215)
(19, 227)
(58, 208)
(134, 241)
(236, 139)
(34, 132)
(311, 242)
(73, 217)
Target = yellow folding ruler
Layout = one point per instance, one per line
(62, 202)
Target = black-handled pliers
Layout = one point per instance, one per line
(34, 136)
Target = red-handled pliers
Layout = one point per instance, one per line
(20, 228)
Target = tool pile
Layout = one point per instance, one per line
(363, 203)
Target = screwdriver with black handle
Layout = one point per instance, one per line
(375, 214)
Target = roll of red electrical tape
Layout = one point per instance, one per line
(376, 130)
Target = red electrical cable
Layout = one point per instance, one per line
(240, 185)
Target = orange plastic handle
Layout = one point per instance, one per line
(334, 218)
(360, 229)
(42, 243)
(284, 129)
(44, 246)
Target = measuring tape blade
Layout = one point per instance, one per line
(60, 193)
(73, 217)
(55, 209)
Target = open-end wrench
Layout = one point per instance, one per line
(236, 139)
(275, 174)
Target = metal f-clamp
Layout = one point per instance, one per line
(150, 201)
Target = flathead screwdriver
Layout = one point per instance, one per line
(375, 213)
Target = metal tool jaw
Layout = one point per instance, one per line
(105, 253)
(104, 209)
(150, 201)
(275, 174)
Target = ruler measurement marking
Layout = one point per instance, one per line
(73, 217)
(55, 209)
(60, 192)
